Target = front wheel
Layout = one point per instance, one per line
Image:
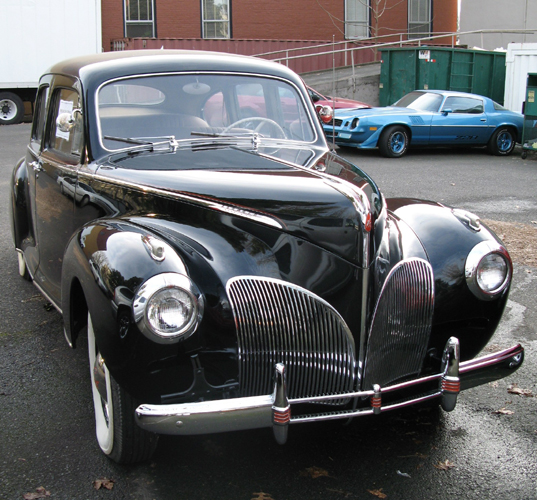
(11, 108)
(502, 142)
(393, 142)
(118, 434)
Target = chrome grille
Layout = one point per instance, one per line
(401, 325)
(281, 323)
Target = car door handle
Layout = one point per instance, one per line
(483, 119)
(37, 166)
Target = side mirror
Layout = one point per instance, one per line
(326, 113)
(66, 121)
(445, 112)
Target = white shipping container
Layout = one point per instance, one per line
(520, 60)
(36, 34)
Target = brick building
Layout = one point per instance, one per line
(311, 20)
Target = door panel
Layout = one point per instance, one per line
(462, 121)
(55, 192)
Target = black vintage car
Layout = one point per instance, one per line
(183, 210)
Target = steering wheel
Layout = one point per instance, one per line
(263, 121)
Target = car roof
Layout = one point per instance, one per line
(101, 67)
(448, 93)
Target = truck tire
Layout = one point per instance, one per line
(11, 108)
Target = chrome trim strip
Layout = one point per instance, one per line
(258, 411)
(56, 306)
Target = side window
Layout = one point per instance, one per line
(464, 105)
(38, 126)
(66, 142)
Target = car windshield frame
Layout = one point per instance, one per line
(421, 101)
(185, 106)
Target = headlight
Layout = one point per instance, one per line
(488, 269)
(168, 307)
(355, 122)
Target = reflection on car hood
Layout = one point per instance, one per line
(327, 208)
(370, 112)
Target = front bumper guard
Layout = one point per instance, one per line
(274, 410)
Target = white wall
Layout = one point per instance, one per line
(497, 15)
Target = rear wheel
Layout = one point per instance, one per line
(117, 433)
(393, 142)
(502, 142)
(11, 108)
(23, 269)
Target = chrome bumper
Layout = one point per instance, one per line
(274, 410)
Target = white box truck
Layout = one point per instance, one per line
(36, 34)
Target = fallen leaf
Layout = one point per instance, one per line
(378, 493)
(103, 483)
(514, 389)
(446, 465)
(315, 472)
(39, 493)
(504, 411)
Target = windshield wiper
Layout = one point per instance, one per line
(142, 144)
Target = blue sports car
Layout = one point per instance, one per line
(428, 118)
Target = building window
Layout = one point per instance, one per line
(216, 22)
(139, 19)
(419, 18)
(357, 18)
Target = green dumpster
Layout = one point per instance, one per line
(529, 133)
(406, 69)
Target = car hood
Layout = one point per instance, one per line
(331, 204)
(341, 103)
(372, 112)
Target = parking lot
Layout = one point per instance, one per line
(485, 449)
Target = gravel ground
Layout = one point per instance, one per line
(520, 240)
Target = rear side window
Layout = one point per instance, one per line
(67, 143)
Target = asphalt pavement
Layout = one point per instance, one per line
(485, 449)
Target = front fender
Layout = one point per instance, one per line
(448, 240)
(104, 265)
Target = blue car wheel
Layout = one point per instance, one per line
(502, 142)
(393, 142)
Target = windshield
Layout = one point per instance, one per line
(420, 101)
(186, 106)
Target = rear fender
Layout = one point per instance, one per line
(20, 205)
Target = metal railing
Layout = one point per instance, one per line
(350, 46)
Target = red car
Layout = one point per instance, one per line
(336, 102)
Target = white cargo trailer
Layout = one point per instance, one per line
(36, 34)
(521, 59)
